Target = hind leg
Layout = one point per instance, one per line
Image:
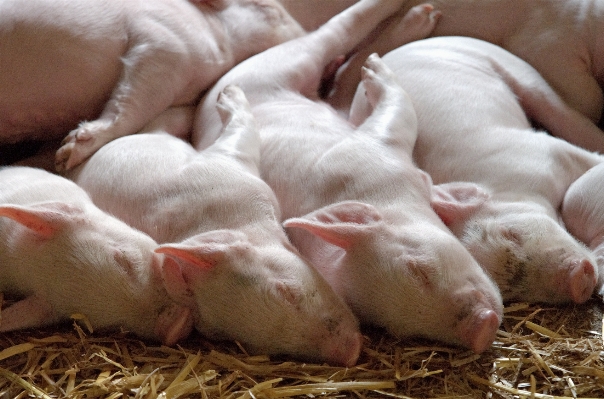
(151, 82)
(416, 24)
(385, 108)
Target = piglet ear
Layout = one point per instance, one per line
(184, 261)
(455, 202)
(203, 250)
(342, 224)
(45, 219)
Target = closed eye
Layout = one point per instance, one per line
(122, 260)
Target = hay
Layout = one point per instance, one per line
(541, 352)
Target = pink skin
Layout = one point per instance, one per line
(365, 221)
(311, 14)
(528, 254)
(471, 123)
(49, 228)
(227, 255)
(562, 40)
(583, 214)
(117, 65)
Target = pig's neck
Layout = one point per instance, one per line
(533, 201)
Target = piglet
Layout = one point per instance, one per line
(583, 214)
(227, 254)
(62, 255)
(118, 64)
(352, 199)
(559, 38)
(505, 181)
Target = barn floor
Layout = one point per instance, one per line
(541, 352)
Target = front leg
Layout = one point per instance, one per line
(383, 107)
(31, 312)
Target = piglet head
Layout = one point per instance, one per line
(95, 265)
(524, 249)
(413, 278)
(253, 25)
(265, 297)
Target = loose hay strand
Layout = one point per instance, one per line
(15, 350)
(32, 389)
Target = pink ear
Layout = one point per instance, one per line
(45, 219)
(341, 224)
(203, 250)
(455, 202)
(176, 287)
(184, 260)
(197, 256)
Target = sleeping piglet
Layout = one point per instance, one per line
(61, 255)
(352, 199)
(505, 180)
(227, 254)
(118, 64)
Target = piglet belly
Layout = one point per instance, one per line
(52, 78)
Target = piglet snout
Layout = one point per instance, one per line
(582, 279)
(483, 330)
(479, 328)
(346, 351)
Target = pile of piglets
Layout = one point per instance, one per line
(282, 180)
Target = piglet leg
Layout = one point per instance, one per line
(144, 91)
(391, 115)
(545, 107)
(416, 24)
(27, 313)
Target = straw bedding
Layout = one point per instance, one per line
(540, 352)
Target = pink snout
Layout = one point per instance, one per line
(478, 330)
(482, 331)
(345, 351)
(582, 279)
